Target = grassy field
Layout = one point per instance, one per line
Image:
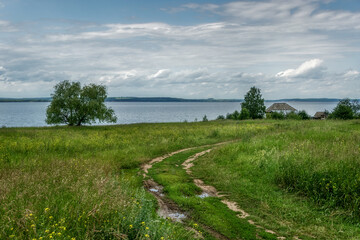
(300, 178)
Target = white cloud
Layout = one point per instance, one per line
(309, 68)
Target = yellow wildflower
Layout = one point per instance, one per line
(147, 235)
(33, 225)
(130, 226)
(147, 228)
(51, 217)
(143, 223)
(47, 231)
(47, 209)
(11, 236)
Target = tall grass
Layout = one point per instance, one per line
(83, 183)
(298, 178)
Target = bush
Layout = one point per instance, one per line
(292, 115)
(244, 114)
(233, 116)
(220, 117)
(205, 119)
(276, 115)
(303, 115)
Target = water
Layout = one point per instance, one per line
(32, 114)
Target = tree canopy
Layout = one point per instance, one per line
(346, 109)
(75, 105)
(254, 103)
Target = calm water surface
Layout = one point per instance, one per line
(32, 114)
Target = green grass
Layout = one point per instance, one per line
(84, 182)
(282, 178)
(88, 178)
(210, 211)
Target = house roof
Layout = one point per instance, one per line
(280, 107)
(320, 115)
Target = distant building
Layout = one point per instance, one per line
(280, 107)
(320, 115)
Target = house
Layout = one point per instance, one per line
(280, 107)
(320, 115)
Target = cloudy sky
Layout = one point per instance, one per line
(189, 49)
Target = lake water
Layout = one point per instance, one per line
(32, 114)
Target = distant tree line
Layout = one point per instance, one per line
(253, 108)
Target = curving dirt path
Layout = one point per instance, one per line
(210, 191)
(169, 209)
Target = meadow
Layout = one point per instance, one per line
(300, 178)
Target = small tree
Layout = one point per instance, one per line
(254, 103)
(205, 119)
(346, 109)
(74, 105)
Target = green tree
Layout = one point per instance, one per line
(73, 105)
(345, 109)
(254, 103)
(244, 114)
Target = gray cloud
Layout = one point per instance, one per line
(270, 44)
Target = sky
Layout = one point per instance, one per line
(186, 49)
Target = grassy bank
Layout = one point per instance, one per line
(84, 183)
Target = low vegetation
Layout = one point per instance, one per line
(83, 182)
(298, 178)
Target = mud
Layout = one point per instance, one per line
(167, 208)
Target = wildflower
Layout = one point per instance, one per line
(11, 229)
(59, 234)
(147, 228)
(162, 238)
(143, 223)
(130, 226)
(30, 214)
(73, 239)
(11, 236)
(195, 225)
(51, 217)
(40, 238)
(47, 231)
(47, 209)
(33, 225)
(147, 235)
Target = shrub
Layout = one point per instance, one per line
(292, 115)
(303, 115)
(276, 115)
(244, 114)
